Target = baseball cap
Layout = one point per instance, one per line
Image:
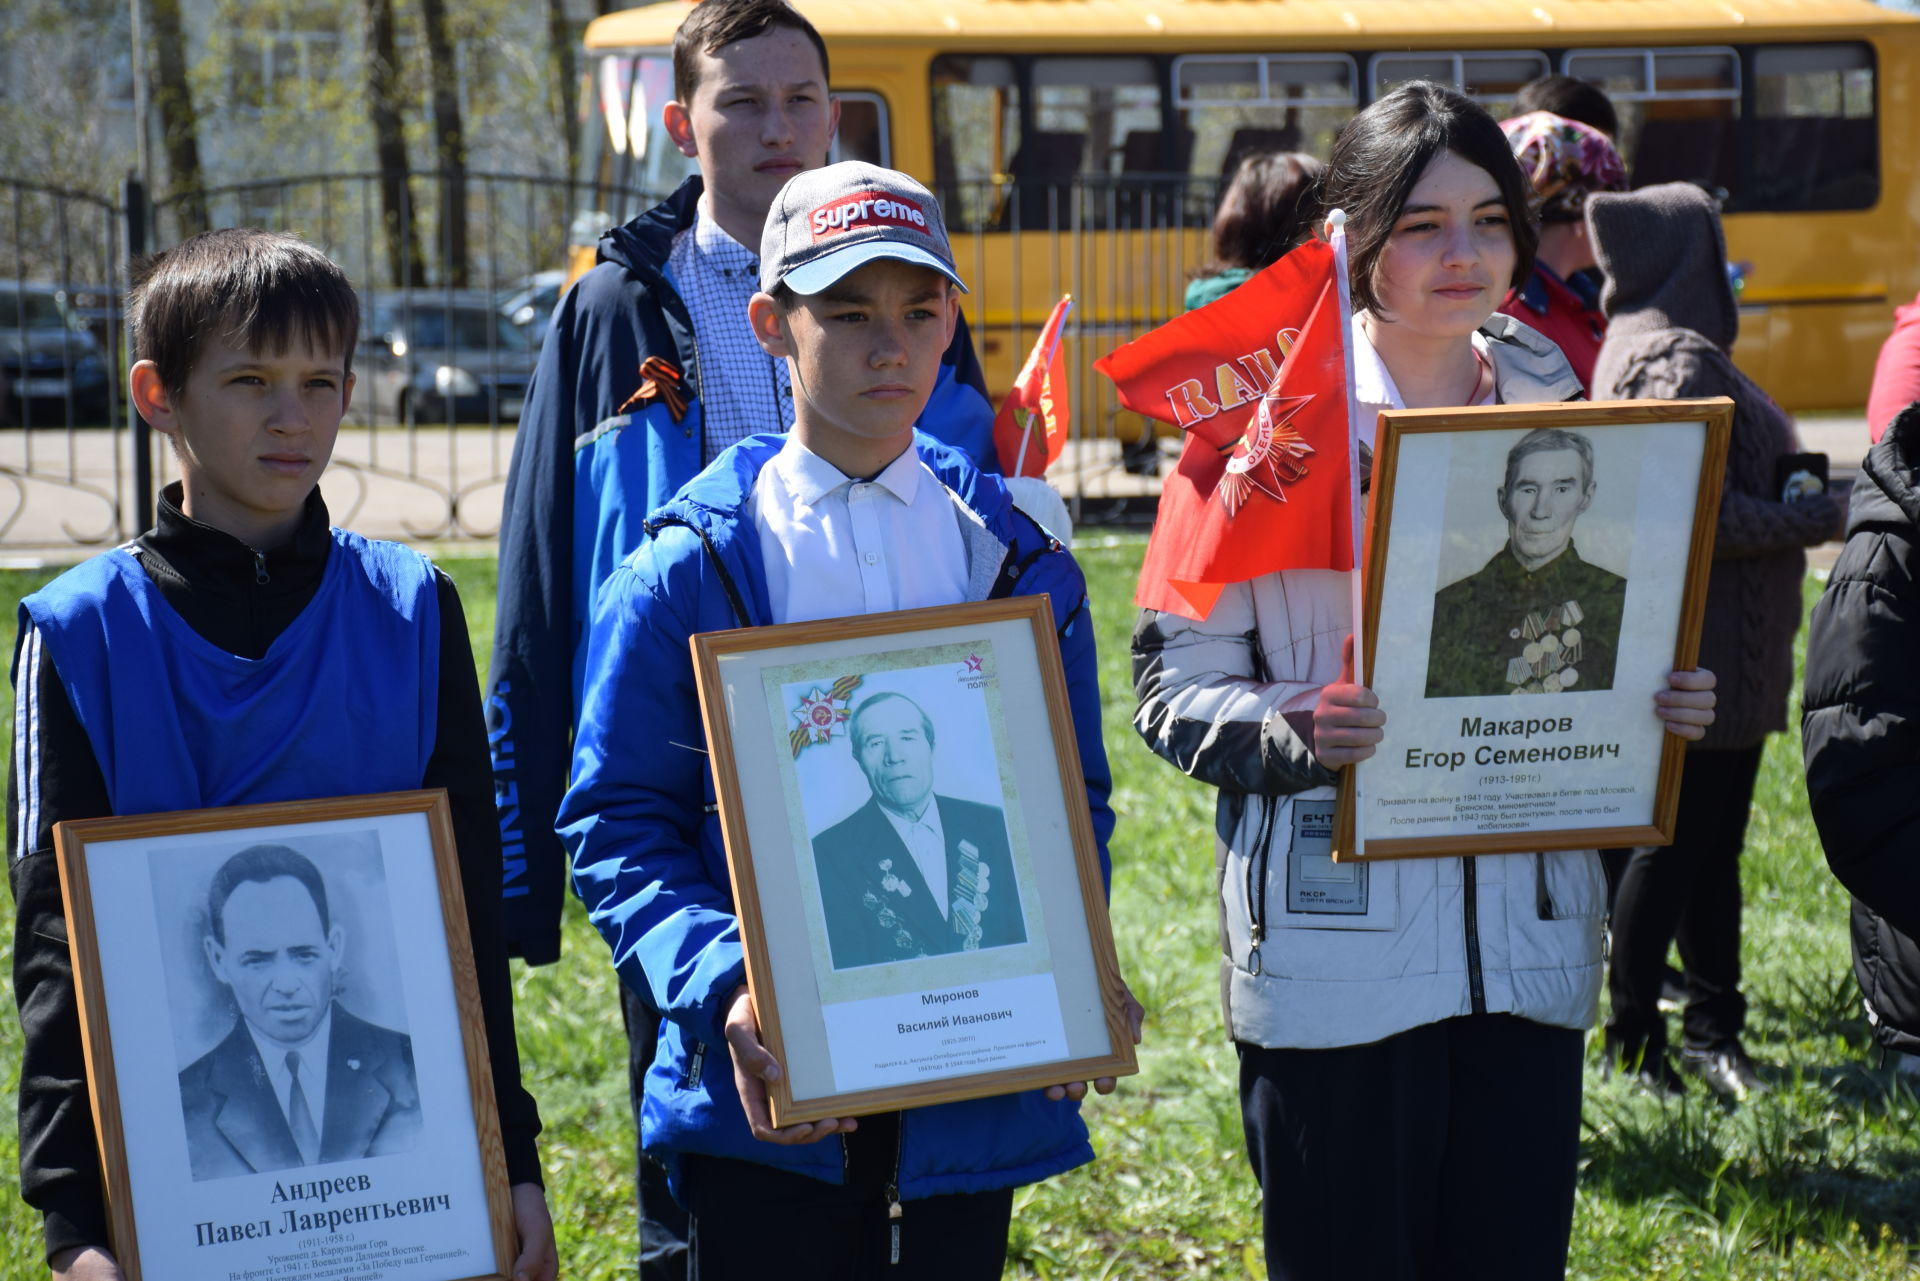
(827, 222)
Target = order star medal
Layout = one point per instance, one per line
(1269, 457)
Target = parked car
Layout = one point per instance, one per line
(425, 350)
(530, 301)
(51, 366)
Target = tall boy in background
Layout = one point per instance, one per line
(241, 651)
(852, 513)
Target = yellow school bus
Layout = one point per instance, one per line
(1078, 145)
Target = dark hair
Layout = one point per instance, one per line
(1549, 440)
(715, 24)
(1266, 209)
(259, 290)
(1382, 152)
(262, 863)
(853, 723)
(1574, 99)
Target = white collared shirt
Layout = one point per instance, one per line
(834, 546)
(926, 840)
(1373, 387)
(743, 391)
(313, 1070)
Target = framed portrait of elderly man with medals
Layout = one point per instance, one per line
(1532, 574)
(921, 900)
(285, 1054)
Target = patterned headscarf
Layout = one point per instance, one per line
(1566, 162)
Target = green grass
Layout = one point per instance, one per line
(1818, 1179)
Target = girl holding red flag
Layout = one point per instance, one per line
(1410, 1032)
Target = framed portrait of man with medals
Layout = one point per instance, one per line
(1532, 574)
(913, 861)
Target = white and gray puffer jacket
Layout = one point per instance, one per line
(1406, 942)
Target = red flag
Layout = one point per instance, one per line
(1258, 382)
(1030, 431)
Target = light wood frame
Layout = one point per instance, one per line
(1716, 416)
(79, 845)
(781, 983)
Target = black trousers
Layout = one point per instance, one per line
(1447, 1151)
(752, 1222)
(1686, 893)
(663, 1224)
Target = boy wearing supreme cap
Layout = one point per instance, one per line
(852, 512)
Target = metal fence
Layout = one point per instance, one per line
(445, 351)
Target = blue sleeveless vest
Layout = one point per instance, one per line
(345, 700)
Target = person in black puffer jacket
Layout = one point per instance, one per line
(1860, 729)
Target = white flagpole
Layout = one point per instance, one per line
(1337, 220)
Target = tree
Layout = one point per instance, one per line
(449, 141)
(385, 104)
(179, 124)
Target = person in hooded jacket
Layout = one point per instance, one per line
(1671, 322)
(852, 512)
(1860, 738)
(1896, 372)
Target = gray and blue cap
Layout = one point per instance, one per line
(827, 222)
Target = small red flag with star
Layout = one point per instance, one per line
(1258, 382)
(1030, 431)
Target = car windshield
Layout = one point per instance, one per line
(430, 326)
(20, 309)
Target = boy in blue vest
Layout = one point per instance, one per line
(240, 651)
(851, 512)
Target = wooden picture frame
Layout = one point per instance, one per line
(1535, 731)
(870, 998)
(400, 1172)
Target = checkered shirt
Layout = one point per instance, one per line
(742, 389)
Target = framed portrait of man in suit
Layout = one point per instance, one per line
(283, 1046)
(920, 895)
(1532, 574)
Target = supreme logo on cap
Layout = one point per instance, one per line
(868, 209)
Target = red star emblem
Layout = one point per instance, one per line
(1268, 457)
(973, 663)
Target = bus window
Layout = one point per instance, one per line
(1818, 146)
(1232, 104)
(1679, 111)
(863, 132)
(1491, 79)
(976, 118)
(1093, 118)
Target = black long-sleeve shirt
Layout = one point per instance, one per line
(239, 599)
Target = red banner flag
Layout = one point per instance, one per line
(1030, 431)
(1258, 382)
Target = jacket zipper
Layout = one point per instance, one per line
(894, 1211)
(260, 574)
(1257, 882)
(1469, 885)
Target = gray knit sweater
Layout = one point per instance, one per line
(1671, 322)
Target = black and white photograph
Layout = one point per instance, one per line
(272, 1005)
(293, 1053)
(906, 812)
(1540, 614)
(1533, 574)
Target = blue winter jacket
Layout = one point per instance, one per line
(586, 471)
(648, 862)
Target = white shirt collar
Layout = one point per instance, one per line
(809, 477)
(313, 1065)
(712, 240)
(1373, 385)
